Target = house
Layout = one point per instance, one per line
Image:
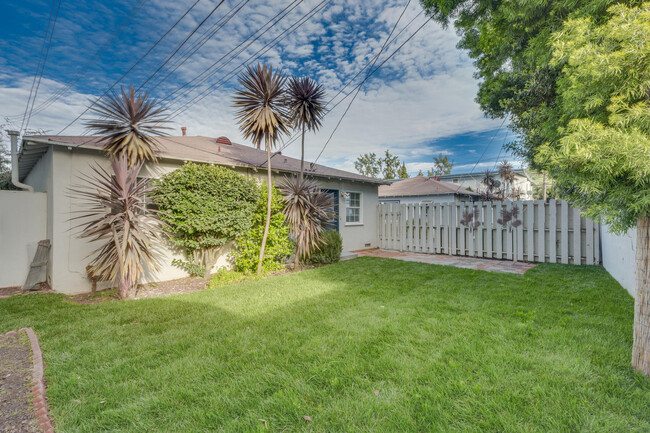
(422, 189)
(52, 164)
(473, 180)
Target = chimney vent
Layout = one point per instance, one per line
(184, 130)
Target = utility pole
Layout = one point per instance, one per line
(544, 185)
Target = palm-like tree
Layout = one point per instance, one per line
(307, 104)
(127, 124)
(114, 209)
(114, 213)
(263, 115)
(507, 175)
(306, 209)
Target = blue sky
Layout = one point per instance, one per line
(419, 104)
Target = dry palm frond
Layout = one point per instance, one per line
(262, 112)
(127, 124)
(306, 209)
(113, 213)
(306, 102)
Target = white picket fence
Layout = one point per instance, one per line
(552, 231)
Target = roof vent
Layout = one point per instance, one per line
(184, 130)
(224, 140)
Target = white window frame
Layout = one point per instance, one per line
(360, 222)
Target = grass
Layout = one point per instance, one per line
(367, 345)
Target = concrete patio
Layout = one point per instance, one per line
(490, 265)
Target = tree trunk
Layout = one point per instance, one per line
(268, 208)
(641, 346)
(302, 155)
(123, 286)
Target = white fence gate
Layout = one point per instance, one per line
(550, 231)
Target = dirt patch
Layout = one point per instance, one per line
(16, 409)
(5, 292)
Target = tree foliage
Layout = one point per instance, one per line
(204, 208)
(510, 45)
(387, 167)
(278, 246)
(5, 166)
(402, 173)
(441, 166)
(602, 160)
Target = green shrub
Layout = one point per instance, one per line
(224, 276)
(192, 269)
(278, 245)
(328, 250)
(205, 207)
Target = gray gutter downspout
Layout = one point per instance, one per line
(13, 135)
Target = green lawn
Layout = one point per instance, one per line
(367, 345)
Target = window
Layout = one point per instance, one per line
(353, 208)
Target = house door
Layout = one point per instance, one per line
(333, 224)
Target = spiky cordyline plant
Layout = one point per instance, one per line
(262, 115)
(507, 174)
(113, 212)
(306, 209)
(127, 124)
(307, 104)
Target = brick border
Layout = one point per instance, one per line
(37, 385)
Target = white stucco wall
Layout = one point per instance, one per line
(619, 256)
(23, 217)
(61, 169)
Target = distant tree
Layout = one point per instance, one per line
(507, 175)
(369, 165)
(403, 174)
(441, 166)
(391, 165)
(5, 166)
(602, 160)
(388, 167)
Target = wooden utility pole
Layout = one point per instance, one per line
(544, 185)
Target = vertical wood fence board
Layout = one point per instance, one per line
(589, 245)
(564, 238)
(541, 231)
(530, 235)
(552, 231)
(577, 238)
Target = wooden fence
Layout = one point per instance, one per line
(552, 231)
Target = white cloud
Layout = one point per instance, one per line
(425, 92)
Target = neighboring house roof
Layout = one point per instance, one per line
(421, 186)
(478, 175)
(189, 148)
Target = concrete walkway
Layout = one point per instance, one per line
(503, 266)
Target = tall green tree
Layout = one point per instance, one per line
(263, 115)
(602, 159)
(386, 167)
(307, 105)
(5, 166)
(403, 173)
(509, 42)
(441, 166)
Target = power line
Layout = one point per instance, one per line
(365, 79)
(488, 145)
(202, 41)
(196, 28)
(252, 58)
(40, 66)
(293, 138)
(207, 73)
(59, 93)
(131, 68)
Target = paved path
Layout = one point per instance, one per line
(504, 266)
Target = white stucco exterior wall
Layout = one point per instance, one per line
(60, 169)
(619, 256)
(23, 218)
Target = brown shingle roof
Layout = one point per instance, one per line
(192, 148)
(421, 185)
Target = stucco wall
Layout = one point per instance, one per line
(23, 217)
(619, 256)
(70, 254)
